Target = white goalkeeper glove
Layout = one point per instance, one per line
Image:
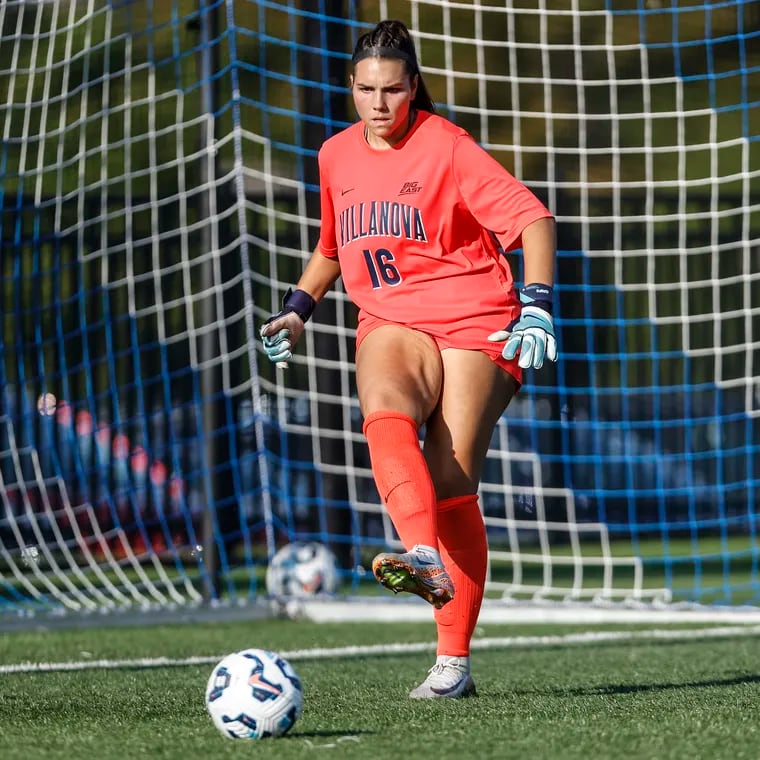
(281, 331)
(532, 333)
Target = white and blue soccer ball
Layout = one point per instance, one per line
(254, 694)
(302, 569)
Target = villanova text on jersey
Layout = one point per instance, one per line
(381, 219)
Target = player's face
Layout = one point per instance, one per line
(383, 94)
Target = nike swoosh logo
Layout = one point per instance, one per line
(347, 190)
(443, 692)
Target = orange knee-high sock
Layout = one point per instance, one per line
(463, 546)
(402, 476)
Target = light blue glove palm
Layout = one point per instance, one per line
(531, 335)
(278, 346)
(282, 330)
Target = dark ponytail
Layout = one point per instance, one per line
(391, 39)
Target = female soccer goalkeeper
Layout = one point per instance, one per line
(414, 217)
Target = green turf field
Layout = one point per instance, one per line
(634, 697)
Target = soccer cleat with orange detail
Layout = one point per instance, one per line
(419, 571)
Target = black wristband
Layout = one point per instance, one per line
(537, 294)
(299, 302)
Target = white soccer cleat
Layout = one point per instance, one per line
(419, 571)
(449, 678)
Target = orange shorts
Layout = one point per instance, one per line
(479, 342)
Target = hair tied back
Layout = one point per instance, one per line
(378, 51)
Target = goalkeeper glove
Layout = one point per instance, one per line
(282, 330)
(532, 333)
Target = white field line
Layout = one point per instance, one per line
(320, 653)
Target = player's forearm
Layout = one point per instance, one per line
(319, 275)
(539, 242)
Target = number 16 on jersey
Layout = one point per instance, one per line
(380, 267)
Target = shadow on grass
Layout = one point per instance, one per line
(588, 691)
(335, 738)
(737, 680)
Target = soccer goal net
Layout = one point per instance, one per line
(158, 194)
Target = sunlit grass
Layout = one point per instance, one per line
(635, 698)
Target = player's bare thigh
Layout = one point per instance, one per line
(398, 369)
(475, 393)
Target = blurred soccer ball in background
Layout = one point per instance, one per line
(302, 569)
(254, 694)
